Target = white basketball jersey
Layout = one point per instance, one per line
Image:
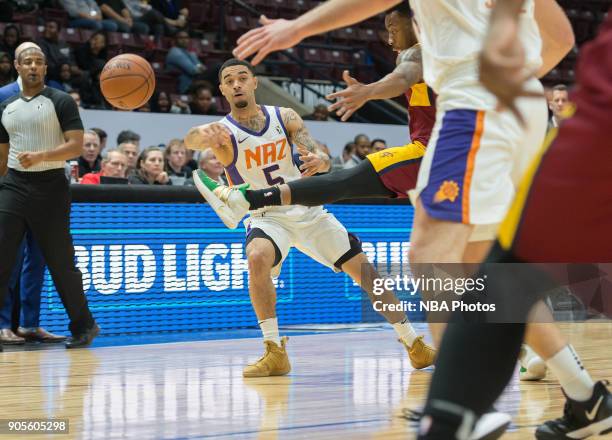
(451, 33)
(265, 158)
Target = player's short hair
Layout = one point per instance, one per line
(560, 88)
(378, 140)
(402, 9)
(235, 62)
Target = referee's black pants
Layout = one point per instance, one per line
(41, 202)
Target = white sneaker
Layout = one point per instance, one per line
(532, 365)
(229, 203)
(491, 426)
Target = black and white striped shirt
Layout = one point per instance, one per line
(37, 124)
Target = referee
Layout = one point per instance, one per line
(40, 129)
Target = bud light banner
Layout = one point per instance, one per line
(151, 267)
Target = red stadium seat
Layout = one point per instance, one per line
(71, 35)
(59, 15)
(31, 31)
(86, 34)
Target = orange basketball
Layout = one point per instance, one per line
(127, 81)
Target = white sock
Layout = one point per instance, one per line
(269, 328)
(405, 331)
(574, 379)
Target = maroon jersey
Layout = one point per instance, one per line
(566, 214)
(422, 112)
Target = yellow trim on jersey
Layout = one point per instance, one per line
(390, 156)
(509, 226)
(420, 96)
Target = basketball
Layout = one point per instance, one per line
(127, 81)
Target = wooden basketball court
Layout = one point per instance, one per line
(343, 385)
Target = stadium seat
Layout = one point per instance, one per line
(31, 30)
(71, 36)
(60, 15)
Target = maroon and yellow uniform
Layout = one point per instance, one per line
(398, 167)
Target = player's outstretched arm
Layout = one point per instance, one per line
(408, 72)
(557, 34)
(215, 136)
(315, 161)
(282, 34)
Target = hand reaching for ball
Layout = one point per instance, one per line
(213, 135)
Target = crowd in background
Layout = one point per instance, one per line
(76, 70)
(172, 163)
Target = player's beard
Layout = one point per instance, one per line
(242, 104)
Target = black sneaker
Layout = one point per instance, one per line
(581, 419)
(490, 426)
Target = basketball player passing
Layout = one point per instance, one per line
(255, 144)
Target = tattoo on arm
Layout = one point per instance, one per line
(300, 134)
(410, 65)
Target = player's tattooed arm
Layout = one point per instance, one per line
(215, 136)
(315, 160)
(408, 72)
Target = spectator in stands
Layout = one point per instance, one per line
(128, 136)
(320, 113)
(130, 150)
(64, 80)
(362, 149)
(186, 62)
(116, 11)
(143, 12)
(86, 14)
(201, 101)
(212, 167)
(176, 160)
(90, 160)
(192, 164)
(102, 135)
(378, 145)
(160, 102)
(150, 168)
(91, 94)
(10, 40)
(7, 74)
(92, 55)
(77, 97)
(174, 12)
(339, 161)
(57, 51)
(558, 104)
(114, 166)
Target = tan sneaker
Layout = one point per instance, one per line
(274, 362)
(421, 355)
